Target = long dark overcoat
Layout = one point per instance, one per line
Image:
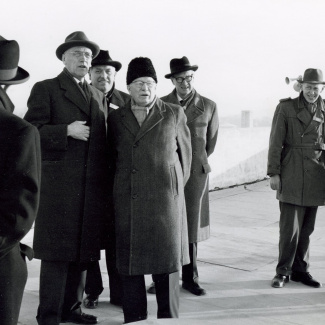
(202, 120)
(295, 152)
(152, 164)
(20, 161)
(74, 183)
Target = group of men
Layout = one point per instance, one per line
(129, 174)
(124, 173)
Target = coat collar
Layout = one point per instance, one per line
(304, 116)
(193, 110)
(72, 92)
(131, 123)
(5, 101)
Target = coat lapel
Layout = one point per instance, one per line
(154, 117)
(73, 93)
(128, 119)
(194, 109)
(117, 100)
(304, 116)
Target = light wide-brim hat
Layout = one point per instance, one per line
(10, 72)
(180, 65)
(77, 39)
(312, 76)
(103, 58)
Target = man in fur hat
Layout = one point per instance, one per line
(102, 75)
(202, 120)
(150, 148)
(296, 169)
(69, 114)
(20, 160)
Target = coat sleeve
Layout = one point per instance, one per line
(53, 137)
(184, 144)
(212, 131)
(19, 190)
(277, 140)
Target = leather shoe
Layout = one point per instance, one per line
(91, 302)
(305, 278)
(82, 318)
(280, 280)
(193, 288)
(152, 288)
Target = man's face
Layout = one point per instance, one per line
(183, 86)
(102, 77)
(311, 91)
(77, 60)
(143, 90)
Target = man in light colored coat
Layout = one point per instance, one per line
(296, 169)
(102, 75)
(69, 114)
(202, 120)
(150, 148)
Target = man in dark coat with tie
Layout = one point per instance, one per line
(102, 75)
(20, 171)
(202, 120)
(70, 118)
(296, 169)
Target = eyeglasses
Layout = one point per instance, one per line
(181, 79)
(78, 54)
(140, 84)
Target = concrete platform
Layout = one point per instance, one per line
(236, 266)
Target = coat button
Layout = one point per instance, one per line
(135, 145)
(134, 196)
(194, 153)
(134, 171)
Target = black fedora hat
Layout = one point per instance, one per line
(103, 58)
(180, 65)
(10, 73)
(77, 39)
(312, 76)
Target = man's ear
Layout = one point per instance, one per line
(128, 88)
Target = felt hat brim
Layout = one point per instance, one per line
(181, 69)
(21, 76)
(68, 45)
(117, 65)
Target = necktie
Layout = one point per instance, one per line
(83, 90)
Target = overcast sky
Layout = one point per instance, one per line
(244, 48)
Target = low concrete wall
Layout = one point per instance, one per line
(240, 156)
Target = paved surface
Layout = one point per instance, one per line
(236, 266)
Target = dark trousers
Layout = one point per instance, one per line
(135, 297)
(190, 272)
(61, 290)
(13, 277)
(296, 225)
(94, 282)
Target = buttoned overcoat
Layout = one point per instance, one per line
(296, 152)
(152, 164)
(74, 184)
(202, 120)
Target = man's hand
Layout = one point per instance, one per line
(275, 182)
(78, 130)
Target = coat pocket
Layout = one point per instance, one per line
(174, 180)
(206, 168)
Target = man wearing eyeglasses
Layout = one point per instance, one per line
(69, 114)
(202, 120)
(150, 151)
